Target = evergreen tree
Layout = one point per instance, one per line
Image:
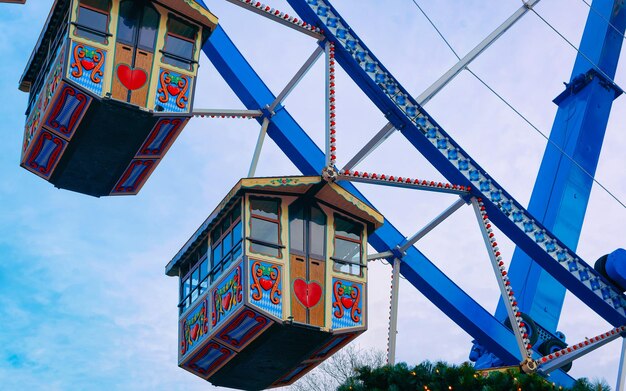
(440, 376)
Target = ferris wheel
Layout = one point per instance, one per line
(523, 332)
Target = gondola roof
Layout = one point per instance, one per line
(39, 54)
(294, 185)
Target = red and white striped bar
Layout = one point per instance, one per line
(515, 316)
(217, 113)
(331, 142)
(405, 182)
(280, 17)
(566, 355)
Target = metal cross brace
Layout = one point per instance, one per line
(277, 101)
(454, 163)
(296, 78)
(440, 83)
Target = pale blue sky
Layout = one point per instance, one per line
(84, 303)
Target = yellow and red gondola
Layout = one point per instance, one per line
(111, 86)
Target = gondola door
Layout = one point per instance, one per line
(307, 248)
(134, 51)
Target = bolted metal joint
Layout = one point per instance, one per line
(529, 365)
(329, 174)
(398, 252)
(268, 112)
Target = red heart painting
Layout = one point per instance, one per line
(266, 283)
(87, 64)
(173, 90)
(347, 302)
(309, 294)
(133, 79)
(226, 301)
(194, 332)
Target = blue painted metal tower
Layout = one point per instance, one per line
(561, 193)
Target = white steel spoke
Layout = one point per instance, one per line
(430, 226)
(405, 182)
(330, 105)
(371, 145)
(393, 313)
(508, 297)
(225, 113)
(297, 77)
(259, 146)
(621, 374)
(447, 77)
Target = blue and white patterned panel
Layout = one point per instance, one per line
(347, 309)
(266, 287)
(86, 66)
(227, 296)
(194, 327)
(174, 92)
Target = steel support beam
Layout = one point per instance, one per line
(393, 313)
(436, 187)
(296, 78)
(500, 275)
(309, 159)
(259, 146)
(562, 189)
(329, 111)
(621, 374)
(447, 77)
(430, 226)
(227, 113)
(440, 83)
(277, 16)
(371, 145)
(376, 256)
(565, 357)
